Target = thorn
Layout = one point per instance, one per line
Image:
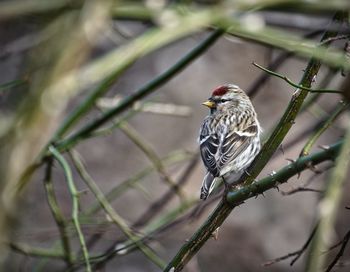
(314, 78)
(291, 160)
(215, 234)
(276, 187)
(172, 269)
(313, 168)
(347, 207)
(324, 147)
(272, 173)
(296, 92)
(262, 193)
(281, 148)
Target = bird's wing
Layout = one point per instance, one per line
(234, 143)
(209, 143)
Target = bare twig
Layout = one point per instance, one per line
(116, 218)
(172, 158)
(274, 65)
(250, 188)
(326, 124)
(75, 200)
(301, 189)
(167, 197)
(328, 207)
(298, 86)
(37, 252)
(151, 154)
(295, 254)
(340, 253)
(58, 215)
(139, 94)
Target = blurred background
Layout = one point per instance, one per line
(138, 155)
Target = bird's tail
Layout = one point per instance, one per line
(207, 186)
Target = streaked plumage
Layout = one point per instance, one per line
(229, 137)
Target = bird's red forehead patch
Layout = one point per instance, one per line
(219, 91)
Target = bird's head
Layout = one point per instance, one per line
(225, 97)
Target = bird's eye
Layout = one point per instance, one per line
(223, 100)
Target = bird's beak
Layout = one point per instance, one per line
(209, 104)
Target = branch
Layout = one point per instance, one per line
(168, 196)
(235, 198)
(328, 207)
(151, 154)
(326, 124)
(295, 84)
(37, 252)
(57, 214)
(116, 218)
(143, 91)
(340, 252)
(225, 207)
(114, 192)
(274, 65)
(296, 254)
(75, 200)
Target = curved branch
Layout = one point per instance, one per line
(238, 196)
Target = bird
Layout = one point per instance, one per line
(229, 137)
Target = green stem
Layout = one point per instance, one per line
(75, 200)
(151, 154)
(37, 252)
(288, 118)
(326, 124)
(312, 98)
(224, 208)
(235, 198)
(294, 84)
(57, 214)
(174, 157)
(328, 208)
(142, 92)
(116, 218)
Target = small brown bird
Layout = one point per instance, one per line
(229, 137)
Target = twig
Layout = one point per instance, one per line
(328, 207)
(301, 189)
(147, 89)
(225, 207)
(234, 198)
(116, 218)
(340, 253)
(57, 214)
(295, 84)
(172, 158)
(167, 197)
(151, 154)
(75, 203)
(312, 98)
(147, 107)
(37, 252)
(274, 65)
(12, 84)
(296, 254)
(326, 124)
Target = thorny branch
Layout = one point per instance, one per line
(249, 189)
